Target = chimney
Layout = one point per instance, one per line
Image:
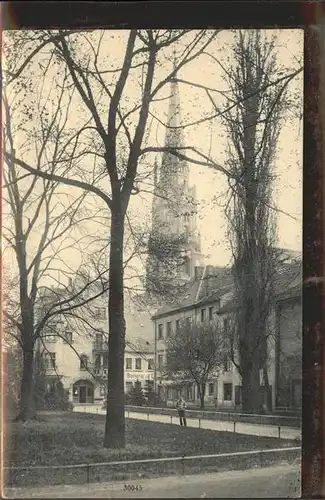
(198, 271)
(210, 272)
(70, 282)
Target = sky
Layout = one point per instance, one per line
(287, 196)
(209, 137)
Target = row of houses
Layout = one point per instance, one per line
(74, 347)
(209, 297)
(79, 357)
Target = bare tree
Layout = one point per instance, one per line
(195, 352)
(102, 94)
(39, 220)
(108, 148)
(253, 126)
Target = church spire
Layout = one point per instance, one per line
(173, 216)
(173, 169)
(174, 133)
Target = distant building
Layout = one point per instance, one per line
(76, 351)
(174, 211)
(139, 363)
(210, 295)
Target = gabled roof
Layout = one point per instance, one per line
(288, 284)
(137, 321)
(186, 298)
(207, 287)
(215, 282)
(138, 345)
(288, 276)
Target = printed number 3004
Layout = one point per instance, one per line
(132, 487)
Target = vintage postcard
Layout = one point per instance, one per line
(152, 261)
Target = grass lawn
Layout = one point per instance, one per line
(72, 438)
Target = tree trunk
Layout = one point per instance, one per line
(268, 390)
(26, 406)
(115, 420)
(201, 390)
(251, 395)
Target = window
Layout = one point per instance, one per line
(187, 266)
(188, 320)
(99, 339)
(128, 387)
(210, 313)
(160, 331)
(177, 325)
(83, 362)
(169, 329)
(97, 361)
(128, 363)
(211, 389)
(227, 392)
(160, 360)
(150, 364)
(49, 360)
(102, 390)
(100, 312)
(202, 314)
(226, 363)
(138, 363)
(67, 338)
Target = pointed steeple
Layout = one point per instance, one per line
(174, 171)
(173, 216)
(174, 132)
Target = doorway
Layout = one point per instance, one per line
(83, 392)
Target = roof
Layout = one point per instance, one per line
(137, 320)
(138, 345)
(289, 276)
(215, 282)
(287, 285)
(210, 286)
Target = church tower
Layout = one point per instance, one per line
(174, 244)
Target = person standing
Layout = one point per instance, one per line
(181, 406)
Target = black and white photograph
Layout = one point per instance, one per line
(152, 262)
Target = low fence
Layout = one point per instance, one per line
(129, 468)
(276, 420)
(202, 421)
(229, 417)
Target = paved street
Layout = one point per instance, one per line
(282, 481)
(216, 425)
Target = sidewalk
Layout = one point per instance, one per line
(221, 425)
(215, 425)
(282, 481)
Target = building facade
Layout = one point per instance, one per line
(139, 364)
(210, 298)
(76, 352)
